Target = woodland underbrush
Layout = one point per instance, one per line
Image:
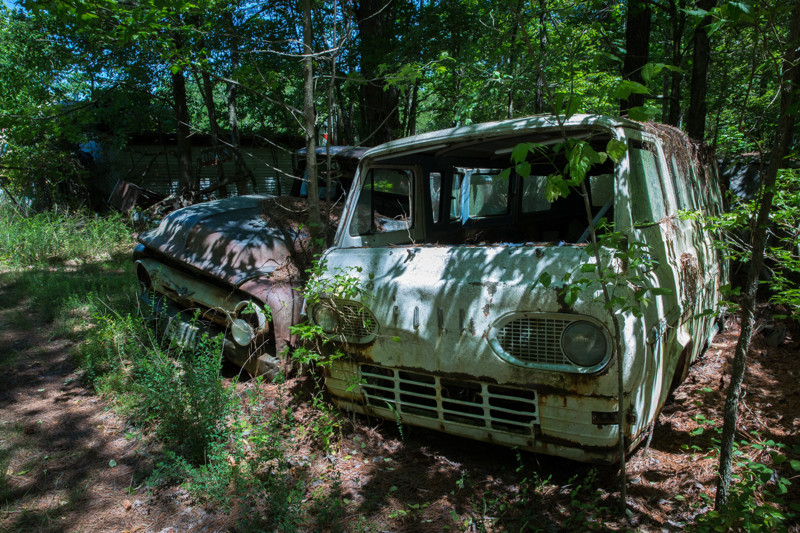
(278, 456)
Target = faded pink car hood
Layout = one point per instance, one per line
(228, 239)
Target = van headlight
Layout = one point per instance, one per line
(326, 318)
(584, 343)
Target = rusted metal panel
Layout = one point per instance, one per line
(227, 239)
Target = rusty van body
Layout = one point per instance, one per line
(230, 266)
(452, 327)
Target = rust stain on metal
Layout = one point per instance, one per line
(690, 272)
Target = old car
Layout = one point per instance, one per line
(234, 266)
(480, 308)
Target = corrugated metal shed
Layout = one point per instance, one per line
(155, 167)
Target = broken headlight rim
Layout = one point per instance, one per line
(584, 344)
(251, 314)
(326, 317)
(143, 276)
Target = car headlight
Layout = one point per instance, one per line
(242, 332)
(584, 343)
(326, 318)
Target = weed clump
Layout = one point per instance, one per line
(51, 237)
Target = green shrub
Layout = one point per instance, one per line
(50, 237)
(757, 493)
(181, 396)
(251, 464)
(185, 397)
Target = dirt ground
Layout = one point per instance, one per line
(68, 463)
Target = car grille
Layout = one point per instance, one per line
(450, 401)
(534, 340)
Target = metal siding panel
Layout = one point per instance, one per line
(151, 167)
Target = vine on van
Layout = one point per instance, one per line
(314, 346)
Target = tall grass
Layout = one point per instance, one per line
(53, 236)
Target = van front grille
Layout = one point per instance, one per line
(534, 340)
(356, 321)
(450, 401)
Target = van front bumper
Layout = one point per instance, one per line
(582, 428)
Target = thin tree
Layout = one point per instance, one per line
(310, 123)
(790, 86)
(637, 47)
(696, 117)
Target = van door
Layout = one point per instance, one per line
(652, 201)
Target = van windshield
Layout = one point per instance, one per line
(384, 202)
(474, 195)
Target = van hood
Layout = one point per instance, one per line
(228, 239)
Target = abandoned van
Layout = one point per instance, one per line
(464, 293)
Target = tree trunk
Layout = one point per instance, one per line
(412, 109)
(540, 81)
(186, 178)
(696, 119)
(511, 64)
(208, 97)
(240, 176)
(380, 102)
(678, 17)
(309, 124)
(637, 50)
(783, 142)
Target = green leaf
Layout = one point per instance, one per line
(628, 87)
(555, 187)
(581, 158)
(571, 295)
(696, 12)
(795, 464)
(648, 71)
(588, 268)
(112, 463)
(566, 103)
(545, 279)
(520, 152)
(639, 114)
(616, 150)
(660, 291)
(573, 104)
(524, 169)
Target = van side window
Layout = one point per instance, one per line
(682, 181)
(533, 194)
(384, 202)
(647, 197)
(436, 194)
(478, 193)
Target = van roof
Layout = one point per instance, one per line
(431, 141)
